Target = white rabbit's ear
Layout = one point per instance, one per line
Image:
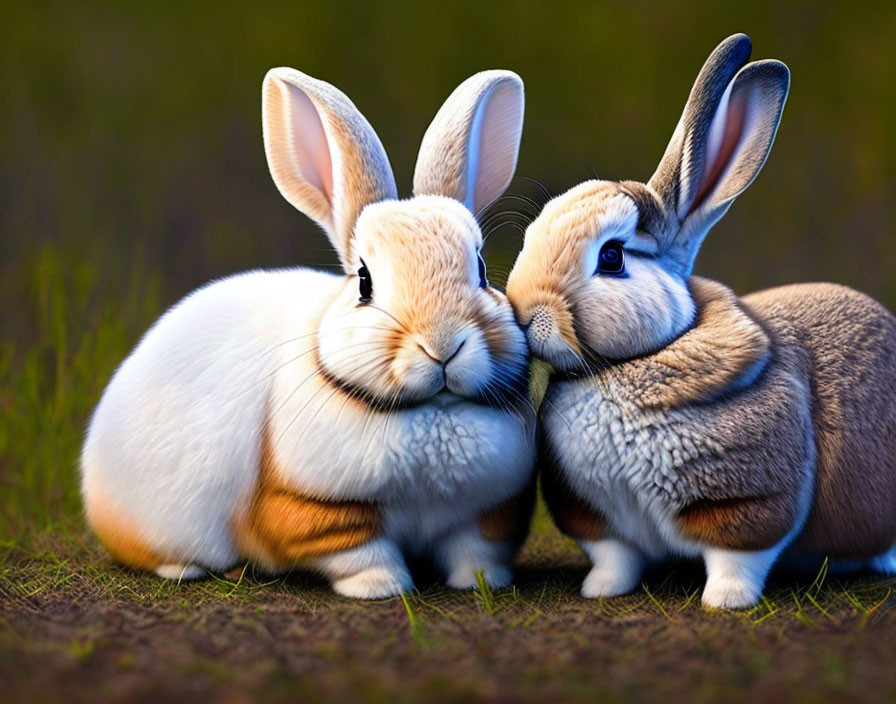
(323, 154)
(721, 143)
(469, 151)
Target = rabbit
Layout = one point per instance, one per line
(341, 423)
(681, 421)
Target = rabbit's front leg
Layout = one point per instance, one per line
(465, 551)
(735, 578)
(373, 570)
(617, 567)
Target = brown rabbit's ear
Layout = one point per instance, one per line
(323, 154)
(721, 142)
(469, 151)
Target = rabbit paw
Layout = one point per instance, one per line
(180, 573)
(463, 576)
(617, 568)
(376, 582)
(603, 581)
(731, 593)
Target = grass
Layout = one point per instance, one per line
(69, 619)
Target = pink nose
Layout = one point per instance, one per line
(446, 355)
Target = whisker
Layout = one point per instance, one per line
(385, 312)
(316, 371)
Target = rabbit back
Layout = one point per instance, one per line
(172, 447)
(850, 343)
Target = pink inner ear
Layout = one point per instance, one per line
(308, 138)
(735, 116)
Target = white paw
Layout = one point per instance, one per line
(730, 593)
(885, 564)
(180, 572)
(374, 583)
(603, 581)
(496, 576)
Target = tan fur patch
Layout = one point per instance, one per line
(116, 534)
(510, 521)
(738, 524)
(283, 527)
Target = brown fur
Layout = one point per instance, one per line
(823, 404)
(708, 359)
(749, 441)
(744, 447)
(118, 536)
(510, 521)
(284, 527)
(736, 524)
(572, 515)
(851, 343)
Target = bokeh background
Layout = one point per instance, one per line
(132, 169)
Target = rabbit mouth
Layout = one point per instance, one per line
(499, 393)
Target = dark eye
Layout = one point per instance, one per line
(611, 259)
(483, 282)
(366, 283)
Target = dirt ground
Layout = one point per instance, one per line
(75, 628)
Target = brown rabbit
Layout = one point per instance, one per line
(682, 420)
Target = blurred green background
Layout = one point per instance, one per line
(132, 169)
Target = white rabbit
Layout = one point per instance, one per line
(336, 422)
(683, 420)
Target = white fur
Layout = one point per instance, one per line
(470, 150)
(637, 313)
(465, 553)
(374, 570)
(180, 572)
(617, 567)
(734, 579)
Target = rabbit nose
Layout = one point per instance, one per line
(429, 353)
(542, 326)
(447, 355)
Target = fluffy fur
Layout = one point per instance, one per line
(276, 417)
(682, 420)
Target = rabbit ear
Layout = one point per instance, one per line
(323, 154)
(721, 143)
(469, 151)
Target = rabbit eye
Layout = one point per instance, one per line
(483, 281)
(366, 283)
(611, 259)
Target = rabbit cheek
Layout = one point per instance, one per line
(470, 369)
